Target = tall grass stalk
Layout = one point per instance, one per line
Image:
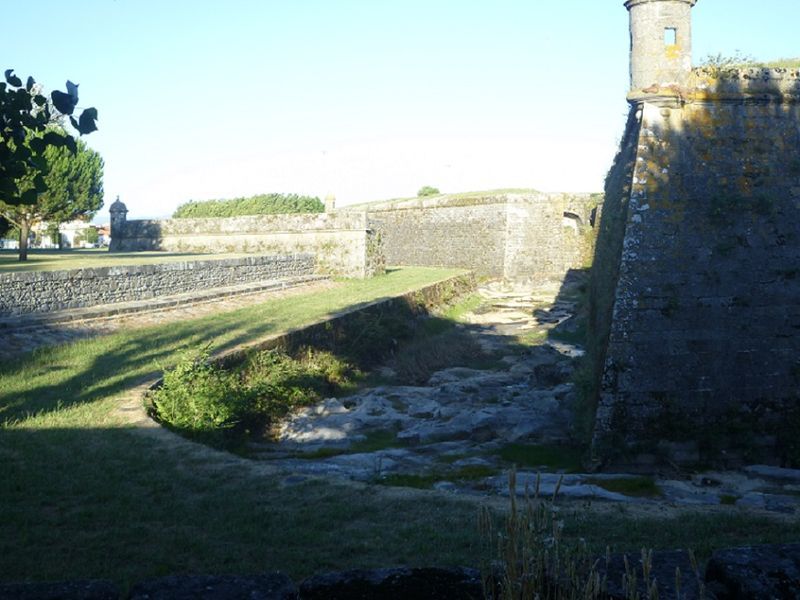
(527, 557)
(531, 557)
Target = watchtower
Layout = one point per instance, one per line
(661, 42)
(119, 216)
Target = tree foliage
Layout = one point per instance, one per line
(427, 190)
(74, 184)
(25, 110)
(92, 236)
(263, 204)
(73, 187)
(26, 133)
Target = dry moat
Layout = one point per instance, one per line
(506, 398)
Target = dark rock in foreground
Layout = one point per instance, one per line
(755, 572)
(395, 584)
(274, 586)
(662, 571)
(60, 590)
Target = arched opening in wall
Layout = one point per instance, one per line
(572, 221)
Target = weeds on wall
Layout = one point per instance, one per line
(721, 66)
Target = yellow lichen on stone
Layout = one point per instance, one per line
(673, 51)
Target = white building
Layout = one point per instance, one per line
(68, 233)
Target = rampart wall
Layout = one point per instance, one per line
(519, 237)
(702, 357)
(48, 291)
(342, 242)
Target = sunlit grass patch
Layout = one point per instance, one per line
(98, 368)
(373, 441)
(640, 487)
(445, 320)
(427, 480)
(557, 458)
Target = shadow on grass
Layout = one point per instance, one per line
(113, 503)
(90, 370)
(109, 365)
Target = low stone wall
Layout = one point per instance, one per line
(342, 242)
(60, 290)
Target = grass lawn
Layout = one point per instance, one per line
(83, 494)
(54, 260)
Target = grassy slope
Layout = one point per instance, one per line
(460, 195)
(85, 495)
(54, 260)
(88, 371)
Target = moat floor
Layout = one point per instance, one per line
(460, 430)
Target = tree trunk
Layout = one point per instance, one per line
(24, 229)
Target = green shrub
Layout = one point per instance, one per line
(197, 396)
(427, 190)
(263, 204)
(92, 236)
(275, 383)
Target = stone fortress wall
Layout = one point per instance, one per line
(702, 224)
(522, 237)
(519, 237)
(47, 291)
(342, 243)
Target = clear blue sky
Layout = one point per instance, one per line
(367, 99)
